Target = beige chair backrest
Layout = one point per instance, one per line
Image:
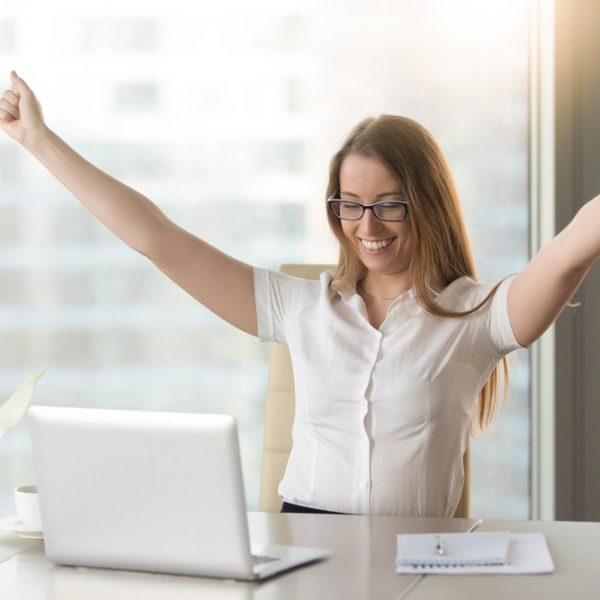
(279, 417)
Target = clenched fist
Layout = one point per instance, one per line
(20, 112)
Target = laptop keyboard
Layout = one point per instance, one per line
(258, 559)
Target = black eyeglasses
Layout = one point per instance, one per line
(388, 210)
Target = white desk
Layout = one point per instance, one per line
(361, 567)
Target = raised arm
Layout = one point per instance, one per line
(539, 292)
(221, 283)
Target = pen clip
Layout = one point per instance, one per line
(439, 546)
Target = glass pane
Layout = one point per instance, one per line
(227, 115)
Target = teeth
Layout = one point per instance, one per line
(369, 245)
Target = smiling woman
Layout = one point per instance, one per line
(360, 391)
(237, 155)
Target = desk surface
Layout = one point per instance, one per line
(361, 567)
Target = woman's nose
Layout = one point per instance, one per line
(369, 222)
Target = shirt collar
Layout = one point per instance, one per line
(348, 292)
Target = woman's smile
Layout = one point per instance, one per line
(376, 246)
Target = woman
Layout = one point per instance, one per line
(396, 354)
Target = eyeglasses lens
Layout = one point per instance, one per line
(348, 210)
(390, 211)
(385, 211)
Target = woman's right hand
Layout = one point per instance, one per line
(20, 112)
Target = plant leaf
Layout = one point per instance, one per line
(13, 409)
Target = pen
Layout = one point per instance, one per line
(475, 525)
(439, 547)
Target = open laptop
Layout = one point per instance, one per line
(148, 491)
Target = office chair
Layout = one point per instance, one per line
(279, 416)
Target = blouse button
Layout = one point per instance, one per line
(362, 484)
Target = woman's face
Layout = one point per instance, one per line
(384, 247)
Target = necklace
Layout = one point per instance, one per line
(362, 287)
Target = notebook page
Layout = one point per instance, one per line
(527, 553)
(459, 549)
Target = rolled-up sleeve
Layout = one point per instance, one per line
(264, 313)
(501, 332)
(277, 296)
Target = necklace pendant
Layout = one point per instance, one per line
(376, 297)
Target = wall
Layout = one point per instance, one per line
(577, 373)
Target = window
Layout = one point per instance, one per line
(8, 36)
(227, 117)
(118, 34)
(136, 97)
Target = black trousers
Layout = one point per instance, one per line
(295, 508)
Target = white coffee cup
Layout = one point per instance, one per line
(28, 507)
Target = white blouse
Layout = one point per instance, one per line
(382, 415)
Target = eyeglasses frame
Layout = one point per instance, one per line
(370, 207)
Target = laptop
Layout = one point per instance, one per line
(148, 491)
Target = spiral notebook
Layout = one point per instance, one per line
(477, 552)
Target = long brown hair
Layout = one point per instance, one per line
(442, 249)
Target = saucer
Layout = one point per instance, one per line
(15, 525)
